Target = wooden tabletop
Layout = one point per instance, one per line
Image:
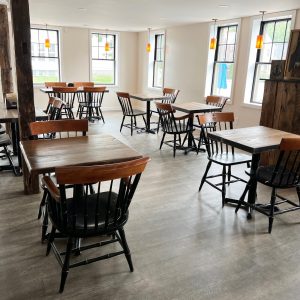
(195, 107)
(255, 139)
(12, 115)
(43, 156)
(147, 97)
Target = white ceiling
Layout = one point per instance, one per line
(138, 15)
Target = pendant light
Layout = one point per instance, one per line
(47, 40)
(107, 46)
(148, 47)
(213, 40)
(260, 37)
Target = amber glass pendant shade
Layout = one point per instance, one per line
(106, 47)
(47, 43)
(259, 41)
(213, 43)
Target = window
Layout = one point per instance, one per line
(158, 64)
(276, 35)
(45, 61)
(103, 62)
(224, 61)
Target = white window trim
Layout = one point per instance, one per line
(59, 29)
(117, 62)
(211, 55)
(151, 59)
(256, 20)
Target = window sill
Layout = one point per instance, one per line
(252, 105)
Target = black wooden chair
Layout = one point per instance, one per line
(50, 130)
(4, 143)
(67, 95)
(284, 174)
(128, 111)
(90, 102)
(220, 153)
(173, 125)
(85, 214)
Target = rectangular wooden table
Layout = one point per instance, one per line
(255, 140)
(11, 116)
(148, 98)
(193, 108)
(43, 156)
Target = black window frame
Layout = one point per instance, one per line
(155, 60)
(216, 61)
(105, 59)
(258, 53)
(58, 48)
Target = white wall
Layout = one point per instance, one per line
(75, 61)
(186, 65)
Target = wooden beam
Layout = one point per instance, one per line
(5, 60)
(21, 32)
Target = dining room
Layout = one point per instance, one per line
(189, 113)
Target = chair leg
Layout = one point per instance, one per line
(135, 121)
(158, 124)
(122, 123)
(50, 240)
(65, 269)
(45, 225)
(43, 201)
(298, 193)
(100, 111)
(126, 248)
(162, 140)
(145, 121)
(229, 174)
(223, 185)
(271, 216)
(174, 145)
(10, 160)
(131, 125)
(204, 175)
(242, 198)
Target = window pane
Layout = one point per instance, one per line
(265, 54)
(53, 37)
(279, 31)
(111, 40)
(34, 36)
(288, 31)
(223, 35)
(103, 71)
(221, 53)
(35, 49)
(277, 51)
(222, 81)
(232, 35)
(230, 53)
(262, 73)
(45, 69)
(158, 74)
(101, 40)
(94, 40)
(268, 32)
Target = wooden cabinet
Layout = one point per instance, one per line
(280, 110)
(281, 105)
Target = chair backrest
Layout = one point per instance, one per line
(218, 101)
(57, 107)
(214, 122)
(101, 209)
(66, 94)
(64, 128)
(83, 84)
(287, 169)
(95, 95)
(171, 93)
(55, 84)
(168, 121)
(125, 102)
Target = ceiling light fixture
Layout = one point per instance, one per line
(213, 40)
(47, 40)
(148, 47)
(107, 46)
(260, 37)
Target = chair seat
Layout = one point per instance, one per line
(230, 159)
(284, 180)
(137, 112)
(91, 208)
(4, 140)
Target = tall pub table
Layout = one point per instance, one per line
(148, 98)
(11, 116)
(43, 156)
(193, 108)
(255, 140)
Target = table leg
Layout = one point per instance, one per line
(148, 111)
(31, 181)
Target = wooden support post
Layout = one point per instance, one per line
(5, 61)
(21, 31)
